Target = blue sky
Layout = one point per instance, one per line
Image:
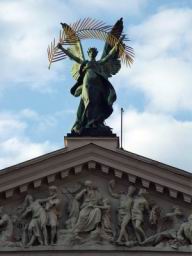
(36, 108)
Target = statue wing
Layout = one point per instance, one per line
(113, 65)
(75, 48)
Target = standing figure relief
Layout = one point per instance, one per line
(91, 216)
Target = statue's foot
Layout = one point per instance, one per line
(119, 242)
(131, 243)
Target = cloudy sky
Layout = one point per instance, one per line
(36, 108)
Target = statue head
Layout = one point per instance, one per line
(112, 183)
(142, 192)
(131, 190)
(52, 190)
(29, 199)
(92, 53)
(88, 184)
(177, 210)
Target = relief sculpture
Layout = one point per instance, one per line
(124, 210)
(90, 217)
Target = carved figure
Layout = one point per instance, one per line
(53, 211)
(37, 226)
(73, 206)
(96, 92)
(106, 220)
(139, 206)
(73, 210)
(173, 221)
(185, 231)
(6, 228)
(124, 211)
(90, 214)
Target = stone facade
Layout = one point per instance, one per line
(93, 198)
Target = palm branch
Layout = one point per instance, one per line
(89, 28)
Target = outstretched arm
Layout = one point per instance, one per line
(69, 54)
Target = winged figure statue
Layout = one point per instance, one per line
(96, 93)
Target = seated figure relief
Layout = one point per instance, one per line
(89, 216)
(90, 213)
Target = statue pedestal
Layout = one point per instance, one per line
(106, 142)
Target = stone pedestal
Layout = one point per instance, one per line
(106, 142)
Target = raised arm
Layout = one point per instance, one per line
(69, 54)
(80, 194)
(112, 193)
(28, 210)
(111, 53)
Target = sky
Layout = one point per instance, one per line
(36, 107)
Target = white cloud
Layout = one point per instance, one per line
(15, 144)
(27, 27)
(162, 68)
(157, 136)
(16, 150)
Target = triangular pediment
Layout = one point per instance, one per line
(111, 171)
(116, 162)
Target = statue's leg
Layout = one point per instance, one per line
(123, 232)
(44, 230)
(139, 230)
(25, 236)
(152, 240)
(53, 234)
(126, 235)
(31, 234)
(157, 238)
(32, 240)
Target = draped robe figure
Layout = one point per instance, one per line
(90, 213)
(96, 92)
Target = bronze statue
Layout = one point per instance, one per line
(96, 92)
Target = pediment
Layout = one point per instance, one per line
(118, 162)
(70, 170)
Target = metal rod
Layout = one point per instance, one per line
(122, 128)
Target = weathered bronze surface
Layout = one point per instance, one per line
(96, 93)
